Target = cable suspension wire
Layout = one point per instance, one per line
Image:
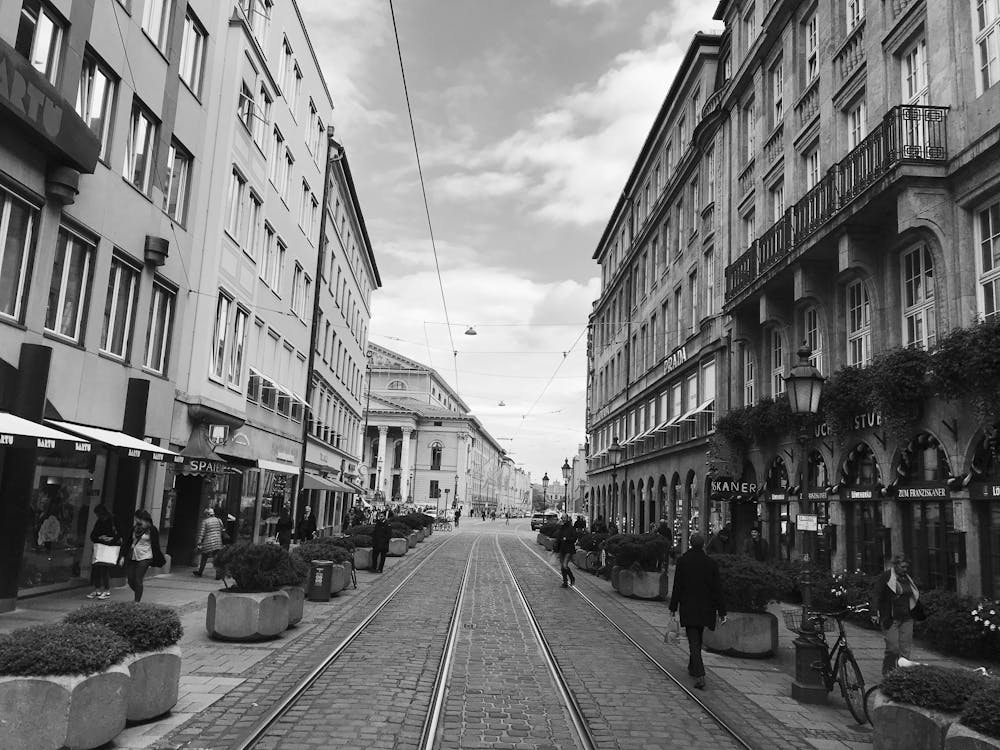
(566, 354)
(423, 188)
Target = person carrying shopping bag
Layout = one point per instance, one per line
(897, 602)
(211, 538)
(140, 552)
(107, 547)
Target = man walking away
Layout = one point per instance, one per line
(698, 593)
(210, 539)
(565, 546)
(381, 535)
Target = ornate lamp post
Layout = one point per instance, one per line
(545, 488)
(566, 472)
(804, 385)
(615, 451)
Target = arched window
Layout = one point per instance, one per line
(436, 449)
(396, 385)
(916, 270)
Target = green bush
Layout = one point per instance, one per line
(748, 585)
(614, 543)
(146, 627)
(324, 548)
(646, 552)
(548, 529)
(410, 520)
(950, 629)
(397, 531)
(591, 542)
(260, 567)
(982, 711)
(935, 688)
(361, 540)
(60, 649)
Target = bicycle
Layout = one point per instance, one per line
(838, 665)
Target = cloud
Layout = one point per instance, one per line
(475, 187)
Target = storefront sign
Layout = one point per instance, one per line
(732, 487)
(849, 493)
(867, 421)
(924, 492)
(807, 522)
(677, 358)
(775, 497)
(984, 491)
(205, 466)
(30, 99)
(817, 496)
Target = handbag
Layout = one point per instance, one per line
(673, 631)
(107, 554)
(918, 613)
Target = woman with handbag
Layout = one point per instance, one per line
(898, 605)
(141, 551)
(107, 546)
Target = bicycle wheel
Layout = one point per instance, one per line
(852, 686)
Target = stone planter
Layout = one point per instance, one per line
(296, 603)
(648, 585)
(549, 543)
(615, 572)
(747, 634)
(411, 540)
(339, 577)
(362, 558)
(898, 726)
(156, 677)
(540, 539)
(580, 559)
(52, 712)
(397, 547)
(960, 737)
(238, 616)
(421, 535)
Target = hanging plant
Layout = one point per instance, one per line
(770, 419)
(898, 387)
(846, 394)
(965, 364)
(733, 427)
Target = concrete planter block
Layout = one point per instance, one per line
(421, 535)
(237, 616)
(156, 677)
(580, 559)
(296, 603)
(411, 540)
(615, 576)
(549, 543)
(960, 737)
(362, 558)
(648, 585)
(747, 634)
(540, 539)
(78, 712)
(340, 576)
(898, 726)
(397, 547)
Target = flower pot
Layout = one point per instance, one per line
(362, 558)
(397, 547)
(747, 634)
(961, 737)
(421, 535)
(73, 711)
(156, 677)
(642, 585)
(411, 540)
(296, 603)
(238, 616)
(899, 726)
(340, 576)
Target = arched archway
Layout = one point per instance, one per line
(675, 508)
(868, 543)
(638, 512)
(775, 523)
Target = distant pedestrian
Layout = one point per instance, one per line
(664, 530)
(897, 603)
(600, 526)
(140, 552)
(564, 542)
(107, 546)
(612, 527)
(580, 524)
(756, 546)
(722, 543)
(698, 592)
(306, 529)
(458, 514)
(211, 538)
(283, 528)
(506, 519)
(381, 535)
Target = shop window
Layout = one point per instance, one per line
(17, 226)
(161, 312)
(156, 16)
(139, 147)
(39, 37)
(95, 98)
(69, 291)
(919, 323)
(119, 310)
(178, 179)
(193, 44)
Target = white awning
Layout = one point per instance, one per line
(697, 410)
(316, 482)
(667, 423)
(278, 466)
(132, 447)
(23, 433)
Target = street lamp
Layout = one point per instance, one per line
(615, 451)
(566, 472)
(804, 385)
(545, 488)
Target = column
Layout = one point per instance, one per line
(404, 465)
(383, 433)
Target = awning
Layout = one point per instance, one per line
(278, 466)
(23, 433)
(131, 447)
(697, 410)
(667, 423)
(316, 482)
(355, 488)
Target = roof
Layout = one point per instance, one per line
(349, 179)
(417, 406)
(388, 360)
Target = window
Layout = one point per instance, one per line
(95, 98)
(914, 72)
(17, 227)
(435, 490)
(269, 259)
(695, 203)
(192, 52)
(749, 228)
(161, 311)
(749, 24)
(678, 319)
(258, 13)
(70, 287)
(710, 175)
(156, 21)
(681, 238)
(304, 205)
(812, 48)
(987, 43)
(245, 106)
(287, 63)
(298, 291)
(119, 312)
(777, 194)
(236, 353)
(436, 450)
(696, 105)
(277, 152)
(859, 325)
(988, 237)
(296, 90)
(749, 141)
(814, 338)
(396, 385)
(777, 363)
(709, 283)
(777, 96)
(39, 38)
(919, 325)
(178, 178)
(220, 336)
(234, 204)
(812, 167)
(856, 125)
(252, 244)
(682, 134)
(286, 172)
(139, 147)
(855, 13)
(749, 389)
(313, 216)
(263, 118)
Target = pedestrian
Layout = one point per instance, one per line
(506, 519)
(698, 592)
(898, 605)
(381, 535)
(283, 528)
(580, 524)
(211, 538)
(612, 527)
(564, 543)
(107, 547)
(306, 529)
(458, 514)
(664, 530)
(755, 546)
(600, 526)
(722, 542)
(140, 552)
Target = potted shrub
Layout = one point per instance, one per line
(62, 685)
(154, 659)
(586, 544)
(641, 566)
(952, 628)
(747, 588)
(362, 551)
(257, 607)
(978, 727)
(545, 533)
(914, 707)
(328, 548)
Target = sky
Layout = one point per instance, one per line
(529, 115)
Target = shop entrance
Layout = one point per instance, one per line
(184, 528)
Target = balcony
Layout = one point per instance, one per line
(907, 134)
(851, 54)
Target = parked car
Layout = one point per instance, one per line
(540, 519)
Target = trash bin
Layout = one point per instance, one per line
(320, 579)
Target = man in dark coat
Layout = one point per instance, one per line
(600, 525)
(722, 543)
(381, 535)
(283, 528)
(307, 526)
(756, 546)
(664, 530)
(580, 524)
(564, 544)
(698, 593)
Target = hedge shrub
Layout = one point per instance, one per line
(748, 585)
(260, 567)
(366, 529)
(935, 688)
(591, 542)
(950, 629)
(647, 552)
(146, 627)
(548, 529)
(361, 540)
(982, 711)
(324, 548)
(60, 649)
